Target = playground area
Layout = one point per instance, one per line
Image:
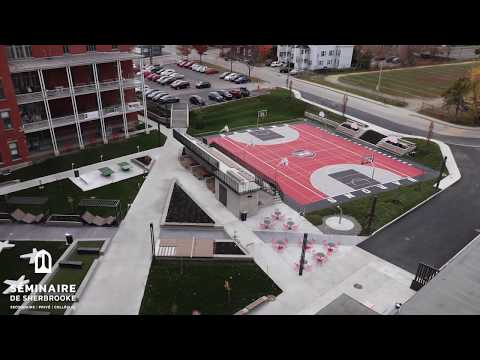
(315, 168)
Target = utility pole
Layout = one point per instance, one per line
(344, 109)
(430, 132)
(150, 53)
(379, 77)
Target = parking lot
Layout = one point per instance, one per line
(193, 77)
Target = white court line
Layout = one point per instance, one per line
(278, 171)
(350, 151)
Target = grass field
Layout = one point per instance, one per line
(427, 153)
(59, 191)
(88, 156)
(200, 286)
(320, 79)
(280, 104)
(12, 267)
(428, 82)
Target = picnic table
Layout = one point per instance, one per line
(106, 171)
(125, 166)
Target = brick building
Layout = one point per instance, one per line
(60, 98)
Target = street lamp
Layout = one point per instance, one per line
(73, 164)
(379, 77)
(341, 214)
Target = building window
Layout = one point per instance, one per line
(2, 93)
(323, 52)
(91, 47)
(330, 53)
(66, 49)
(6, 119)
(19, 51)
(320, 63)
(114, 47)
(13, 146)
(329, 62)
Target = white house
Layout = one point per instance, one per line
(315, 57)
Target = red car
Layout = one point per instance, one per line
(210, 71)
(187, 64)
(155, 77)
(181, 63)
(150, 77)
(236, 93)
(146, 73)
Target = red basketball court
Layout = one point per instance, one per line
(310, 164)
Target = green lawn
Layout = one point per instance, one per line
(201, 287)
(390, 205)
(280, 104)
(12, 267)
(427, 153)
(58, 193)
(427, 82)
(320, 79)
(89, 156)
(71, 276)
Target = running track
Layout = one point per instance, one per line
(294, 179)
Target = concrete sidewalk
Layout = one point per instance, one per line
(28, 232)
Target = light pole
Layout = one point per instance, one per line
(379, 77)
(341, 214)
(372, 161)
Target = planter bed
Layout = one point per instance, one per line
(182, 209)
(227, 248)
(74, 220)
(145, 162)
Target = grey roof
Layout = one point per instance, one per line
(454, 291)
(346, 305)
(53, 62)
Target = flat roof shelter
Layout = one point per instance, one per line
(103, 203)
(37, 202)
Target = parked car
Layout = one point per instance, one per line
(229, 76)
(168, 81)
(177, 75)
(224, 74)
(284, 70)
(242, 79)
(225, 94)
(294, 72)
(155, 77)
(235, 93)
(235, 77)
(276, 64)
(159, 70)
(149, 91)
(244, 91)
(181, 85)
(197, 100)
(149, 67)
(167, 72)
(215, 96)
(162, 77)
(203, 85)
(153, 93)
(169, 100)
(268, 62)
(211, 71)
(175, 83)
(146, 73)
(202, 68)
(159, 95)
(188, 64)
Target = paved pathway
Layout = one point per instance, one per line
(46, 233)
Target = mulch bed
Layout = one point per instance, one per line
(182, 209)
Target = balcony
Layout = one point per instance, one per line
(62, 92)
(109, 111)
(54, 62)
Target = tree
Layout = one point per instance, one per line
(477, 51)
(200, 49)
(475, 85)
(455, 94)
(185, 50)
